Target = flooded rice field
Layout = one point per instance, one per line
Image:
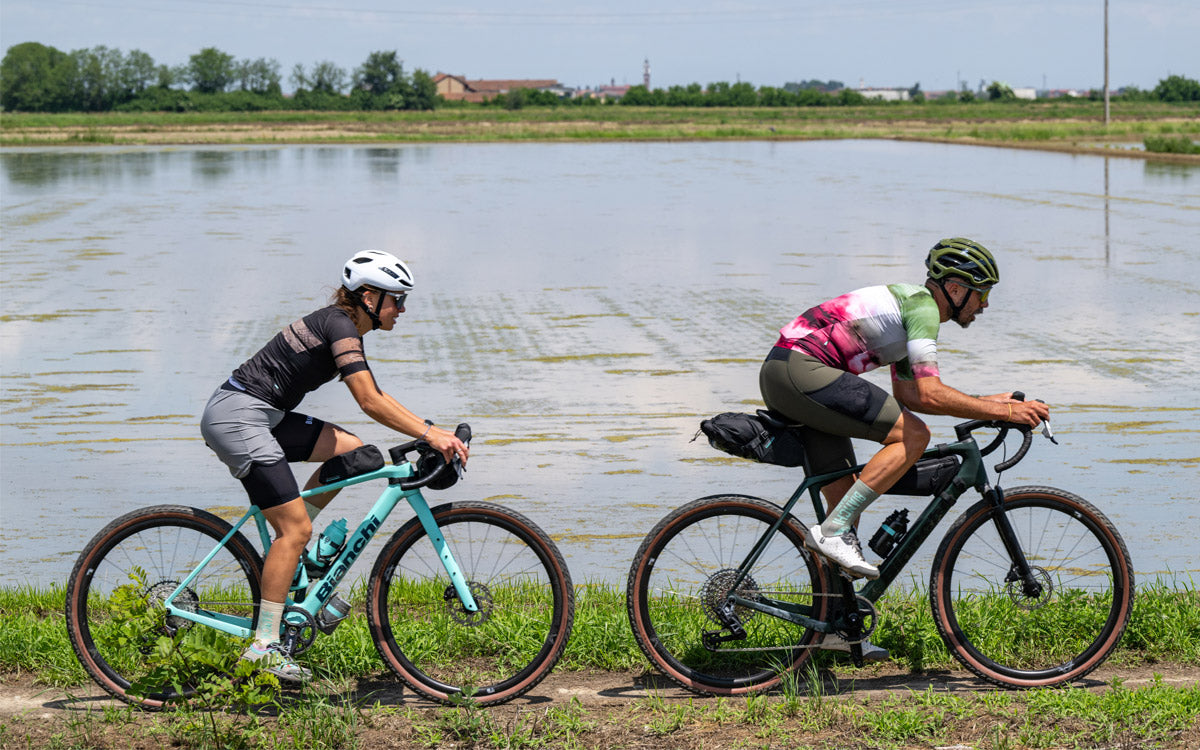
(583, 306)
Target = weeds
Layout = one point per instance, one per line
(1180, 144)
(230, 709)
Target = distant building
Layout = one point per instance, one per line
(461, 89)
(612, 92)
(602, 92)
(887, 95)
(1061, 93)
(1025, 92)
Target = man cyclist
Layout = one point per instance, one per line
(812, 376)
(250, 424)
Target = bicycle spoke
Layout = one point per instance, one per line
(520, 588)
(679, 587)
(1058, 625)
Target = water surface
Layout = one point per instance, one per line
(583, 306)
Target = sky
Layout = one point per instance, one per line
(1056, 44)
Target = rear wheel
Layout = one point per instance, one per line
(680, 582)
(526, 605)
(114, 607)
(1058, 627)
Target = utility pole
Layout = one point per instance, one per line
(1106, 118)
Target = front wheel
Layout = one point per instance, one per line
(519, 581)
(1053, 629)
(679, 589)
(114, 607)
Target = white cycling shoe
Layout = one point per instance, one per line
(870, 652)
(273, 659)
(844, 551)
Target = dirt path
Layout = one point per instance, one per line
(608, 710)
(19, 695)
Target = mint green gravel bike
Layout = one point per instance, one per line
(466, 599)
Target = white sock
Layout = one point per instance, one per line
(856, 499)
(270, 616)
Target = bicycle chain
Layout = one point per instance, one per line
(871, 616)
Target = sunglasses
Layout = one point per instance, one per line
(984, 291)
(399, 298)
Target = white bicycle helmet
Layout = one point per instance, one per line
(377, 269)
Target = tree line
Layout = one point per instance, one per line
(38, 78)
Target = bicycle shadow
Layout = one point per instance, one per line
(393, 693)
(832, 684)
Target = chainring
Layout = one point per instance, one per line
(868, 618)
(299, 630)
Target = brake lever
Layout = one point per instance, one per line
(1046, 431)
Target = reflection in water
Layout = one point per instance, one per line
(1107, 233)
(583, 306)
(1159, 170)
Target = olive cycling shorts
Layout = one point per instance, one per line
(832, 404)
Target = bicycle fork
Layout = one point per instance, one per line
(1020, 570)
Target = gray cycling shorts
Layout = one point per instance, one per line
(245, 431)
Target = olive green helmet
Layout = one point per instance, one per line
(964, 258)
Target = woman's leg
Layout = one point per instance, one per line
(292, 531)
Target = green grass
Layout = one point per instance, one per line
(1061, 122)
(1180, 144)
(1164, 628)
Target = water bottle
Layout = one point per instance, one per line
(328, 546)
(332, 614)
(891, 532)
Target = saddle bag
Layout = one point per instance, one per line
(362, 460)
(754, 437)
(929, 476)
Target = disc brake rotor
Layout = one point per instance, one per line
(1016, 591)
(460, 614)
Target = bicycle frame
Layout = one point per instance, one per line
(971, 473)
(319, 592)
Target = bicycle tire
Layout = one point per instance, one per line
(684, 568)
(1013, 638)
(166, 542)
(520, 581)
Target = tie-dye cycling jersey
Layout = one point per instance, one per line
(878, 325)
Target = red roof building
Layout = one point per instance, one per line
(458, 88)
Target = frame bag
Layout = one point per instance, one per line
(361, 460)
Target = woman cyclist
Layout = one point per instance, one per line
(251, 425)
